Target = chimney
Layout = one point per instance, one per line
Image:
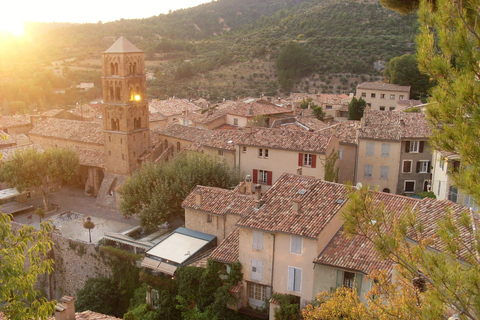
(299, 171)
(65, 309)
(258, 196)
(242, 187)
(198, 197)
(297, 205)
(248, 183)
(248, 129)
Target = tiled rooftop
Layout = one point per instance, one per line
(91, 158)
(15, 120)
(183, 132)
(357, 254)
(288, 139)
(383, 86)
(89, 132)
(220, 201)
(8, 152)
(346, 131)
(384, 125)
(320, 201)
(227, 250)
(171, 107)
(256, 107)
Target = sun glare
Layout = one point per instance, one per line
(12, 26)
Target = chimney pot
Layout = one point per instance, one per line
(242, 187)
(258, 192)
(198, 197)
(299, 171)
(65, 309)
(297, 205)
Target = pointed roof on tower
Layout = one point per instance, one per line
(122, 45)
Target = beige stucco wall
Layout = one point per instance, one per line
(50, 142)
(393, 162)
(378, 101)
(247, 253)
(242, 121)
(280, 161)
(220, 226)
(228, 156)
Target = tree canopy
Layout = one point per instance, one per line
(356, 108)
(404, 71)
(30, 168)
(155, 192)
(23, 257)
(293, 62)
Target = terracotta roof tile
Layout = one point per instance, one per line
(346, 131)
(15, 120)
(385, 125)
(383, 86)
(220, 201)
(91, 158)
(183, 132)
(228, 250)
(288, 139)
(320, 201)
(171, 107)
(8, 152)
(83, 131)
(256, 107)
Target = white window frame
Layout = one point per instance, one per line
(423, 166)
(385, 150)
(262, 176)
(392, 97)
(255, 289)
(401, 97)
(414, 146)
(403, 166)
(370, 149)
(263, 153)
(257, 240)
(260, 153)
(244, 149)
(340, 154)
(296, 244)
(439, 188)
(384, 172)
(266, 154)
(382, 96)
(405, 186)
(257, 270)
(294, 279)
(307, 160)
(368, 171)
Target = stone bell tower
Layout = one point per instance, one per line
(125, 111)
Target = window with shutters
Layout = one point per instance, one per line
(294, 279)
(407, 166)
(257, 270)
(370, 149)
(423, 166)
(414, 146)
(439, 188)
(453, 194)
(257, 294)
(409, 186)
(340, 154)
(307, 160)
(257, 240)
(384, 172)
(385, 150)
(368, 171)
(296, 244)
(263, 153)
(348, 279)
(262, 176)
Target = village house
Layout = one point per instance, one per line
(393, 152)
(443, 185)
(266, 153)
(16, 124)
(172, 109)
(382, 96)
(254, 112)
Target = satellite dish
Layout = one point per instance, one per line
(359, 186)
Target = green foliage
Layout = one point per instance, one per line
(235, 276)
(318, 113)
(293, 63)
(427, 194)
(402, 6)
(99, 295)
(155, 192)
(188, 282)
(330, 165)
(404, 72)
(30, 168)
(22, 259)
(289, 307)
(356, 108)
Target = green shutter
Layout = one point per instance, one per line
(339, 278)
(358, 278)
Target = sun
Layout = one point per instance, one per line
(13, 26)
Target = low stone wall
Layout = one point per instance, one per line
(75, 262)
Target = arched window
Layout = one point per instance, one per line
(113, 124)
(134, 68)
(117, 93)
(178, 146)
(132, 94)
(386, 190)
(112, 69)
(166, 143)
(112, 96)
(116, 68)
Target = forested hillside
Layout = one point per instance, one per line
(222, 49)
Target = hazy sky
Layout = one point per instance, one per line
(89, 10)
